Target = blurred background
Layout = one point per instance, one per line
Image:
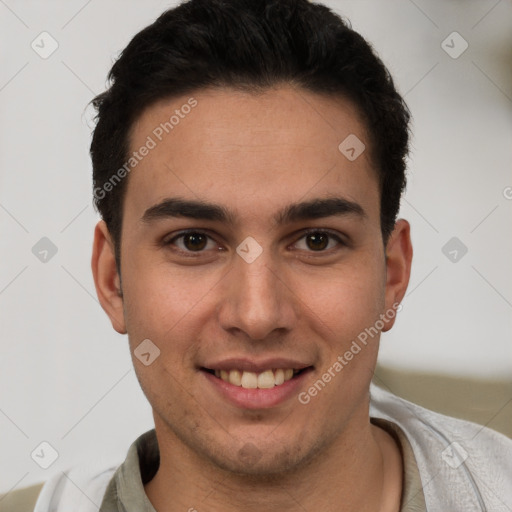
(66, 376)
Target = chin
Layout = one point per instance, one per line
(261, 459)
(252, 463)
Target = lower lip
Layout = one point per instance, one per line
(258, 398)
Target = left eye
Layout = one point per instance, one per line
(318, 241)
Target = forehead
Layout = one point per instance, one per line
(248, 149)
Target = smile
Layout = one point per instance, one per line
(248, 385)
(251, 380)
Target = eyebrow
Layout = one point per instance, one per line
(202, 210)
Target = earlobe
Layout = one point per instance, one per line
(398, 266)
(106, 278)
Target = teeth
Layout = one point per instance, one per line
(266, 379)
(235, 378)
(250, 380)
(279, 377)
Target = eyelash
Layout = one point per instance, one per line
(192, 254)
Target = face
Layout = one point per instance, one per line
(252, 250)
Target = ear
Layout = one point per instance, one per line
(398, 266)
(106, 277)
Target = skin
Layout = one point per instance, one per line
(254, 155)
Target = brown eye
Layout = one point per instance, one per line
(195, 241)
(191, 242)
(317, 241)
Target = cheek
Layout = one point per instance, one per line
(346, 300)
(161, 307)
(169, 306)
(159, 297)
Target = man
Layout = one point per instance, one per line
(248, 160)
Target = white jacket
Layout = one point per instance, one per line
(464, 467)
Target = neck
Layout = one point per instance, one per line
(361, 470)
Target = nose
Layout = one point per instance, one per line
(256, 300)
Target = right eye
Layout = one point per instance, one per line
(191, 242)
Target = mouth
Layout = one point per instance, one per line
(255, 384)
(266, 379)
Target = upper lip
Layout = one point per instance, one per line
(249, 365)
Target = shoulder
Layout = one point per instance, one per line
(462, 464)
(418, 421)
(20, 500)
(79, 488)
